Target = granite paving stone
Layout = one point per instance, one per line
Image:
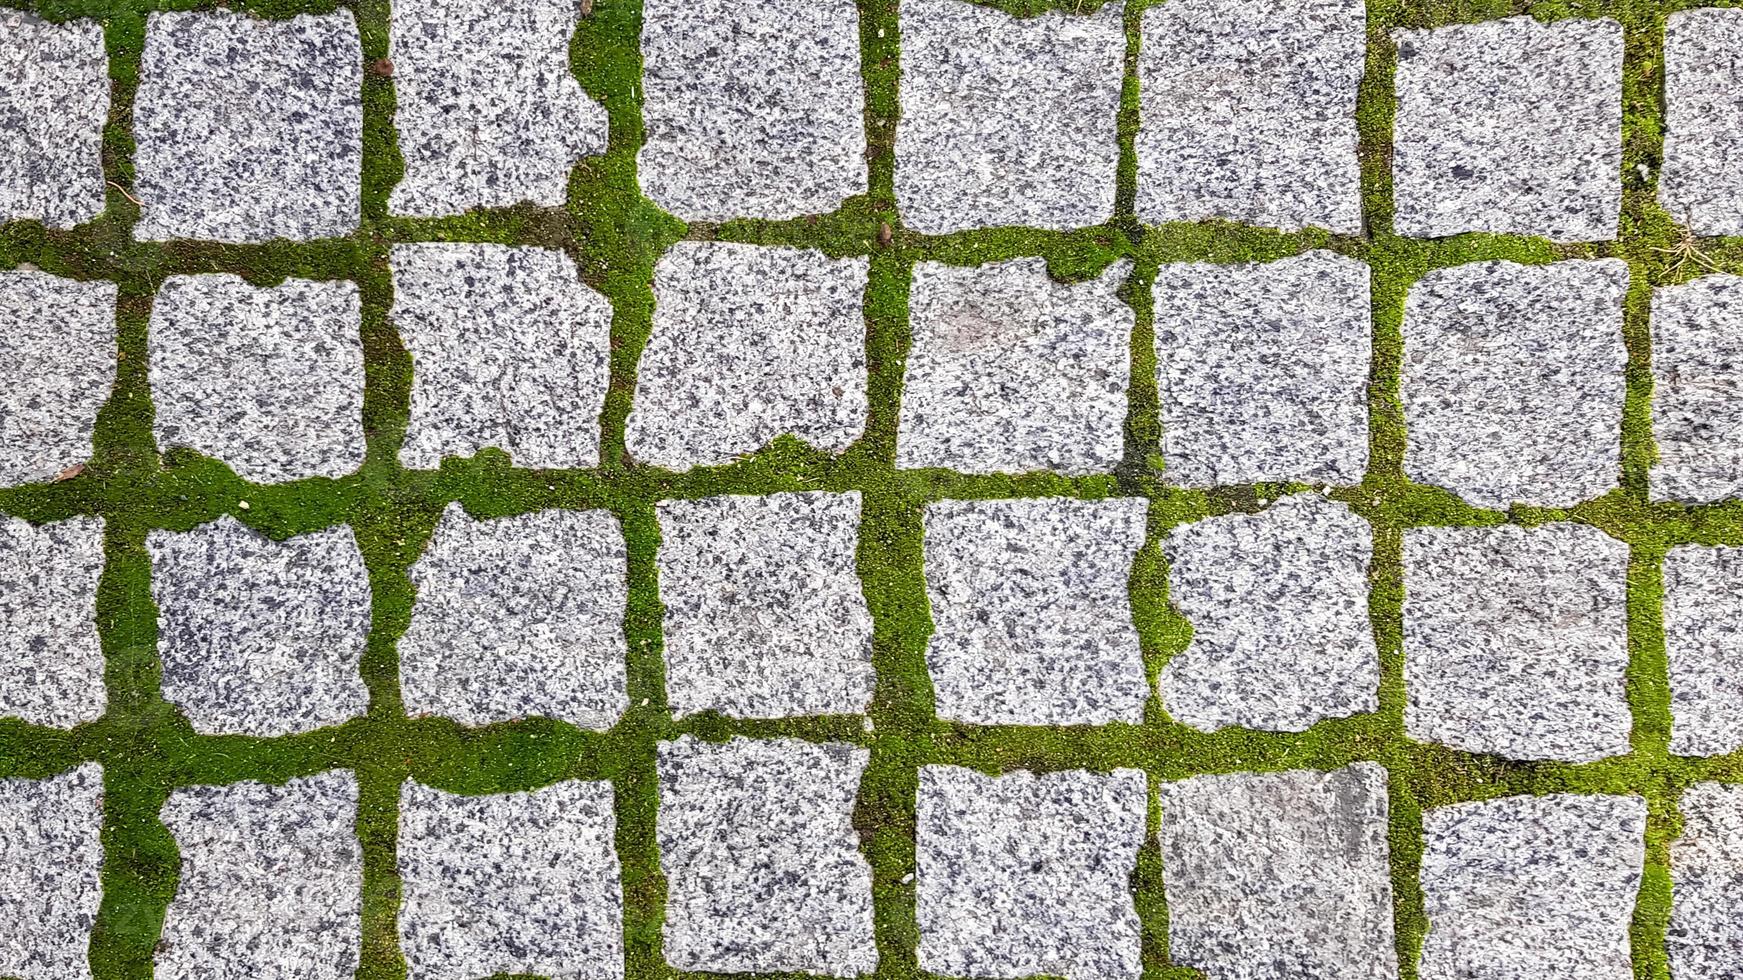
(1532, 886)
(51, 862)
(764, 613)
(1697, 395)
(1705, 937)
(54, 100)
(1263, 370)
(1249, 113)
(1278, 603)
(1701, 183)
(753, 110)
(1280, 876)
(1027, 875)
(1513, 381)
(1703, 640)
(519, 617)
(51, 659)
(511, 883)
(1007, 120)
(762, 863)
(749, 343)
(57, 365)
(488, 112)
(1032, 621)
(268, 380)
(271, 881)
(1515, 640)
(1010, 372)
(1510, 126)
(249, 129)
(260, 637)
(509, 350)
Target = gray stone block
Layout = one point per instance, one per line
(1515, 640)
(509, 349)
(249, 129)
(1705, 938)
(54, 100)
(1023, 875)
(488, 113)
(765, 616)
(1263, 370)
(1278, 603)
(762, 863)
(753, 110)
(268, 380)
(1510, 126)
(1010, 372)
(1703, 639)
(750, 343)
(1532, 886)
(1513, 381)
(1280, 876)
(57, 366)
(1701, 184)
(271, 881)
(1697, 396)
(1032, 620)
(513, 883)
(51, 864)
(260, 637)
(517, 617)
(1249, 112)
(51, 659)
(1006, 120)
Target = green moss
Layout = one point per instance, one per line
(615, 236)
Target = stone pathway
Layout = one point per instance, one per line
(628, 489)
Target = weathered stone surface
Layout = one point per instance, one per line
(1701, 184)
(1278, 603)
(1023, 875)
(57, 365)
(517, 617)
(1513, 381)
(256, 636)
(763, 867)
(1510, 126)
(1032, 621)
(753, 110)
(249, 129)
(509, 349)
(1277, 876)
(1011, 372)
(1249, 112)
(54, 99)
(1697, 395)
(51, 660)
(51, 862)
(1532, 886)
(268, 380)
(271, 881)
(1705, 938)
(749, 343)
(514, 883)
(765, 617)
(1515, 640)
(1703, 639)
(1006, 120)
(488, 112)
(1263, 370)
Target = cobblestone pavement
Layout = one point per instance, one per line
(629, 489)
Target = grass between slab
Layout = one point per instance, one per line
(615, 236)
